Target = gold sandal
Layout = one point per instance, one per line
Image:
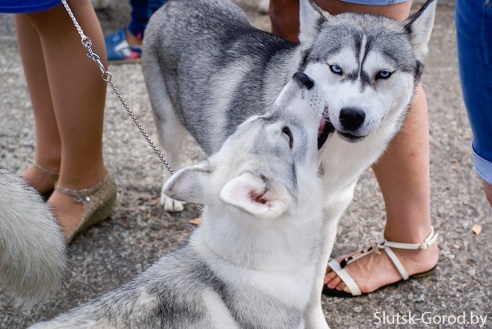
(98, 202)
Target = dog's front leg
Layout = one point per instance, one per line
(314, 316)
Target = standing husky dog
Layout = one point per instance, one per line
(32, 246)
(207, 70)
(253, 262)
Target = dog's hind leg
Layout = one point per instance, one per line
(170, 131)
(171, 137)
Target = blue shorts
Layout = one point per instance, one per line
(474, 42)
(26, 6)
(375, 2)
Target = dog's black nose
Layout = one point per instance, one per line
(304, 80)
(352, 118)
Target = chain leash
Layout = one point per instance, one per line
(108, 78)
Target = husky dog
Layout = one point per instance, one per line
(253, 262)
(32, 246)
(207, 70)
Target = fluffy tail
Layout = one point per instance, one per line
(32, 246)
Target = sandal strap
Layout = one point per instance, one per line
(45, 171)
(83, 195)
(345, 277)
(387, 245)
(430, 240)
(338, 268)
(397, 263)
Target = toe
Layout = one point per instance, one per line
(329, 276)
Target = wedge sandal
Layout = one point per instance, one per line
(382, 244)
(97, 200)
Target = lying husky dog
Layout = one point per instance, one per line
(207, 70)
(253, 262)
(32, 246)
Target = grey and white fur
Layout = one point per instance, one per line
(253, 262)
(207, 70)
(271, 210)
(32, 246)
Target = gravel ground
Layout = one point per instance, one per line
(140, 231)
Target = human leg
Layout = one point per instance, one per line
(48, 144)
(284, 14)
(403, 176)
(78, 97)
(402, 172)
(473, 24)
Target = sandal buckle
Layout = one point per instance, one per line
(377, 247)
(424, 246)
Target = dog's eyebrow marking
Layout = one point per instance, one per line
(362, 47)
(362, 53)
(365, 49)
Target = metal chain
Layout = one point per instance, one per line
(107, 77)
(139, 126)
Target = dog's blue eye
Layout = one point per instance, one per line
(384, 74)
(336, 69)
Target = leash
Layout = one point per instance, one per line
(108, 78)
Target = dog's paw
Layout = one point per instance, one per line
(171, 205)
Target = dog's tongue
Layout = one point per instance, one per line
(322, 125)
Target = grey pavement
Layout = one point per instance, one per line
(140, 231)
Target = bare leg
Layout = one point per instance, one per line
(403, 176)
(78, 99)
(487, 188)
(402, 173)
(48, 144)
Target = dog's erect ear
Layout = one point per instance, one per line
(419, 26)
(254, 195)
(310, 19)
(188, 184)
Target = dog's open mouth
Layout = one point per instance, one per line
(325, 128)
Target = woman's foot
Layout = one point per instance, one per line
(376, 270)
(122, 46)
(68, 212)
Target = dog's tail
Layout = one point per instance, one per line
(32, 246)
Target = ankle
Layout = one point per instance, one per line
(40, 178)
(133, 40)
(415, 233)
(83, 181)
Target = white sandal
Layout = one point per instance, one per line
(376, 247)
